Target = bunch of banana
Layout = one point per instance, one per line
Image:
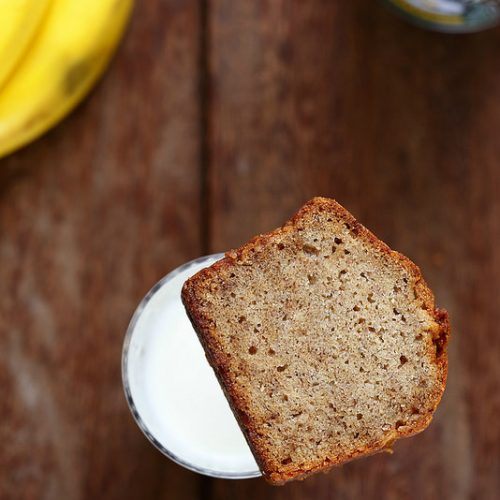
(51, 53)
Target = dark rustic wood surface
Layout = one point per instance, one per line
(217, 120)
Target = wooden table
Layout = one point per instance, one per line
(217, 120)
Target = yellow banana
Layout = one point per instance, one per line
(19, 21)
(65, 58)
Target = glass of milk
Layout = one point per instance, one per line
(456, 16)
(171, 389)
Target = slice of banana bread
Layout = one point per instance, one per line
(326, 342)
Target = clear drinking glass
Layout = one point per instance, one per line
(172, 391)
(453, 16)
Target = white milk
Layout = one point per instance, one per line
(179, 402)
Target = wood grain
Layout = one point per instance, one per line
(90, 219)
(401, 126)
(216, 121)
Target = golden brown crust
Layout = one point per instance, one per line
(206, 331)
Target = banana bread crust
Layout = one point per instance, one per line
(206, 328)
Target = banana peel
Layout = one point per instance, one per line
(67, 55)
(19, 22)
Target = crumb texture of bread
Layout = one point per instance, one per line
(326, 342)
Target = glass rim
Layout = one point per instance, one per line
(441, 26)
(128, 392)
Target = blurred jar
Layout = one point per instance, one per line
(454, 16)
